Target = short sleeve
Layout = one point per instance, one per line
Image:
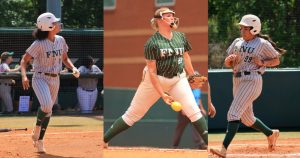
(187, 45)
(230, 49)
(150, 51)
(65, 46)
(6, 68)
(34, 49)
(81, 69)
(269, 51)
(95, 68)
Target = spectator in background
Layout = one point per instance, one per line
(5, 84)
(87, 87)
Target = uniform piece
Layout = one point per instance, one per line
(5, 89)
(87, 89)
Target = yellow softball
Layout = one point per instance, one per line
(176, 106)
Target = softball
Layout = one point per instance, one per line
(176, 106)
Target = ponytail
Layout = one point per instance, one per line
(266, 37)
(39, 34)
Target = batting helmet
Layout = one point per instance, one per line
(45, 21)
(251, 21)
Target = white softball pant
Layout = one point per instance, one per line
(146, 95)
(246, 89)
(87, 99)
(46, 90)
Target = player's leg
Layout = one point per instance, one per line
(249, 89)
(83, 99)
(144, 98)
(93, 100)
(182, 92)
(200, 144)
(182, 121)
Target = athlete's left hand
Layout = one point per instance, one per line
(167, 98)
(75, 73)
(258, 61)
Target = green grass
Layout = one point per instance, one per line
(251, 136)
(56, 122)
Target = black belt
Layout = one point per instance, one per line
(170, 75)
(88, 90)
(239, 74)
(6, 84)
(49, 74)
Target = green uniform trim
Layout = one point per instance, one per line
(168, 54)
(118, 126)
(260, 126)
(201, 126)
(232, 128)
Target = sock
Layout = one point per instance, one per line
(201, 127)
(232, 128)
(40, 117)
(44, 126)
(118, 126)
(260, 126)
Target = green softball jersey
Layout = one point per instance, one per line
(167, 53)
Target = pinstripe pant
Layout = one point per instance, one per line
(246, 89)
(46, 90)
(146, 95)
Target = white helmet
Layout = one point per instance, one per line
(251, 21)
(45, 21)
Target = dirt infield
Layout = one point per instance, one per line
(286, 148)
(61, 141)
(145, 152)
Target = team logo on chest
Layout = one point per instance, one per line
(170, 52)
(245, 49)
(54, 53)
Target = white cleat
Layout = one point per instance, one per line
(40, 146)
(105, 145)
(272, 140)
(220, 153)
(36, 134)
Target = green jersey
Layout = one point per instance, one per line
(167, 53)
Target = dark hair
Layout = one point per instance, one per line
(266, 37)
(87, 61)
(39, 34)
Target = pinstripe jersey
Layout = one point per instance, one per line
(48, 55)
(258, 47)
(167, 53)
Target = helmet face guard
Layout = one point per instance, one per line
(173, 25)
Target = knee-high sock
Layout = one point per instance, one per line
(40, 117)
(201, 127)
(118, 126)
(44, 126)
(260, 126)
(232, 128)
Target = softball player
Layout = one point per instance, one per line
(87, 87)
(49, 52)
(5, 84)
(167, 56)
(249, 56)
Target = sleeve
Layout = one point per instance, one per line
(96, 69)
(150, 51)
(6, 68)
(34, 49)
(187, 45)
(269, 51)
(81, 69)
(230, 49)
(65, 46)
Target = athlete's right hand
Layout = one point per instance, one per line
(167, 99)
(25, 83)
